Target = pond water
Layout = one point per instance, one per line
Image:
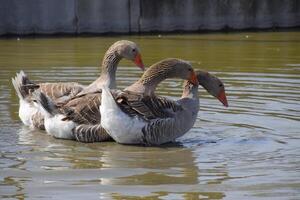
(250, 150)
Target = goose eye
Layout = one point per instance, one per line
(133, 50)
(221, 85)
(190, 69)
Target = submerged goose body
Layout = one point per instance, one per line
(64, 92)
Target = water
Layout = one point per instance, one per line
(250, 150)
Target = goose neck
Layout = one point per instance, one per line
(109, 68)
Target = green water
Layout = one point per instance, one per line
(250, 150)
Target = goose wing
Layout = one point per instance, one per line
(83, 109)
(147, 107)
(61, 91)
(90, 133)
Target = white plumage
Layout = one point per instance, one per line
(122, 128)
(26, 111)
(58, 128)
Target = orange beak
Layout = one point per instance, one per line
(193, 78)
(222, 98)
(138, 61)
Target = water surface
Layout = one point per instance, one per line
(250, 150)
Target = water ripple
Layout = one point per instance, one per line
(249, 149)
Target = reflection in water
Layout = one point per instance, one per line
(64, 163)
(250, 150)
(154, 169)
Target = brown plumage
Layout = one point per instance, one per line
(83, 110)
(61, 91)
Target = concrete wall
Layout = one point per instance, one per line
(37, 16)
(218, 14)
(129, 16)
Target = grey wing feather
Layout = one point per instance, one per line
(159, 131)
(90, 133)
(147, 107)
(84, 109)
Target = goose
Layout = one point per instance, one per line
(83, 117)
(80, 117)
(62, 92)
(146, 122)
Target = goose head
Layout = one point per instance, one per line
(169, 68)
(182, 69)
(213, 85)
(130, 51)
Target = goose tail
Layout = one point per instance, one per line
(46, 105)
(23, 85)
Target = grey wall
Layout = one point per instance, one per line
(126, 16)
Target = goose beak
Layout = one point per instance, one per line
(222, 98)
(193, 79)
(138, 61)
